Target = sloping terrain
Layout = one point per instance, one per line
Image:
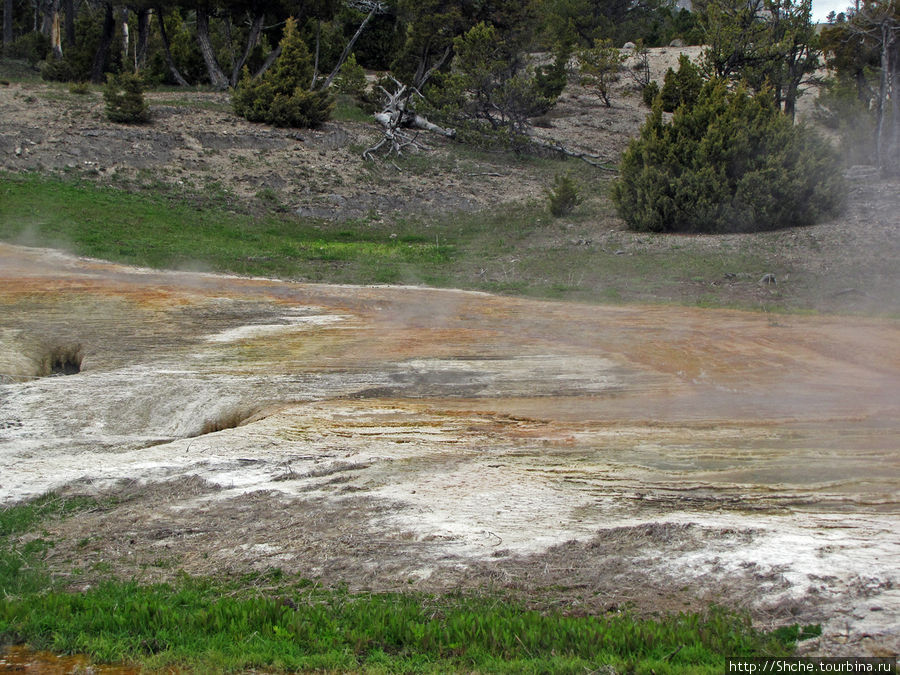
(384, 437)
(652, 457)
(196, 151)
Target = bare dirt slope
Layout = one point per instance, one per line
(196, 146)
(585, 457)
(195, 140)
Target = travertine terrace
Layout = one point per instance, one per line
(654, 457)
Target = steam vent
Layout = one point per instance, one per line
(648, 456)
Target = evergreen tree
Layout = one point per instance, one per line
(682, 87)
(124, 96)
(864, 50)
(281, 96)
(600, 68)
(730, 163)
(765, 43)
(489, 88)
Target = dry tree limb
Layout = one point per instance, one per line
(396, 119)
(589, 158)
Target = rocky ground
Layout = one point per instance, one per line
(195, 140)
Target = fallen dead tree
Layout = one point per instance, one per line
(401, 125)
(398, 121)
(584, 156)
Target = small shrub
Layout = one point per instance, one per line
(352, 79)
(281, 96)
(682, 87)
(488, 90)
(552, 79)
(600, 67)
(731, 163)
(640, 69)
(57, 70)
(124, 96)
(649, 93)
(79, 88)
(31, 47)
(564, 196)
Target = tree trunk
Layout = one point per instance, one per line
(229, 42)
(863, 90)
(216, 77)
(7, 22)
(894, 144)
(252, 40)
(45, 8)
(395, 118)
(167, 50)
(106, 38)
(126, 38)
(68, 7)
(55, 33)
(883, 95)
(270, 59)
(143, 39)
(348, 48)
(790, 103)
(315, 75)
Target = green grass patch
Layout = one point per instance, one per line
(346, 110)
(513, 249)
(161, 231)
(194, 102)
(195, 623)
(24, 517)
(228, 625)
(21, 572)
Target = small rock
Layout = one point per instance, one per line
(677, 42)
(18, 151)
(629, 45)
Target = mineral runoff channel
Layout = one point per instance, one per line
(440, 436)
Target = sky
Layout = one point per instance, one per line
(820, 8)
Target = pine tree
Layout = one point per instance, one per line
(281, 96)
(730, 163)
(124, 96)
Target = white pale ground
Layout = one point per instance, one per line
(472, 474)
